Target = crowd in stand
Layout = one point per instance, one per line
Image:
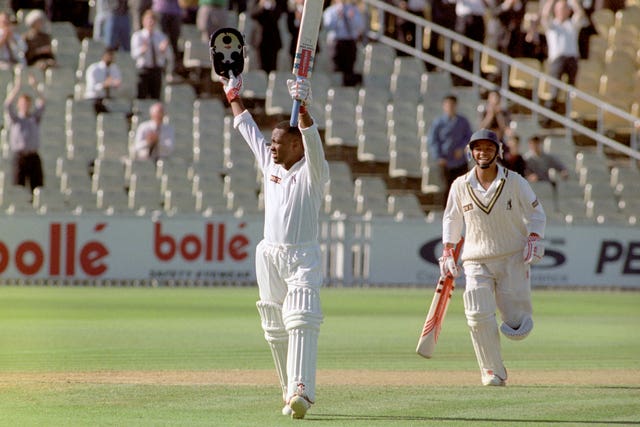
(149, 32)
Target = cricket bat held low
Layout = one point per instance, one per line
(437, 311)
(306, 46)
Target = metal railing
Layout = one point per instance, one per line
(383, 11)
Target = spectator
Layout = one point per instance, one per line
(470, 23)
(24, 134)
(12, 46)
(407, 29)
(265, 36)
(512, 158)
(562, 41)
(117, 25)
(493, 116)
(102, 78)
(448, 138)
(154, 137)
(443, 13)
(294, 16)
(510, 14)
(169, 14)
(38, 42)
(345, 26)
(534, 44)
(212, 14)
(138, 8)
(150, 50)
(539, 163)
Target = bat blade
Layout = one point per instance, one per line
(306, 46)
(437, 311)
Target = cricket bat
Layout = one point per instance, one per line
(433, 324)
(306, 47)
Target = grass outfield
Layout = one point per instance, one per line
(191, 357)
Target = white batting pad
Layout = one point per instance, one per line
(277, 337)
(521, 332)
(302, 317)
(479, 306)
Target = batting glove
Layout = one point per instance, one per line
(300, 90)
(232, 86)
(448, 263)
(534, 250)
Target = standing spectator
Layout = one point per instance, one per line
(212, 14)
(510, 14)
(150, 49)
(12, 46)
(24, 134)
(39, 50)
(294, 16)
(504, 223)
(539, 163)
(154, 138)
(562, 41)
(265, 34)
(138, 8)
(448, 137)
(443, 13)
(493, 116)
(117, 25)
(288, 259)
(512, 158)
(534, 44)
(408, 28)
(345, 26)
(169, 14)
(102, 78)
(470, 23)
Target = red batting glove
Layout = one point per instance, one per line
(232, 86)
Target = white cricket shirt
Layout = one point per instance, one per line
(293, 197)
(497, 220)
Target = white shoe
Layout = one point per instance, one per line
(299, 405)
(490, 379)
(287, 411)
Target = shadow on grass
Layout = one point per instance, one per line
(509, 421)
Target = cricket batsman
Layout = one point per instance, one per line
(288, 259)
(504, 223)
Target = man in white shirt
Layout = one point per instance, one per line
(154, 138)
(288, 259)
(151, 51)
(504, 223)
(562, 33)
(102, 79)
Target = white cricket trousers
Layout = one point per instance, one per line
(289, 280)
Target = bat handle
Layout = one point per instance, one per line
(295, 110)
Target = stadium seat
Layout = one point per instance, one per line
(405, 206)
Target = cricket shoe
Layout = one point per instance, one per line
(299, 404)
(287, 411)
(489, 378)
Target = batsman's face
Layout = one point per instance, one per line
(484, 152)
(285, 148)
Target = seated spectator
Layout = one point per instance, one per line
(493, 116)
(154, 138)
(24, 134)
(539, 163)
(102, 78)
(512, 158)
(12, 46)
(38, 42)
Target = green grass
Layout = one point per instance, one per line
(45, 330)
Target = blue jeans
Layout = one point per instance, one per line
(117, 32)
